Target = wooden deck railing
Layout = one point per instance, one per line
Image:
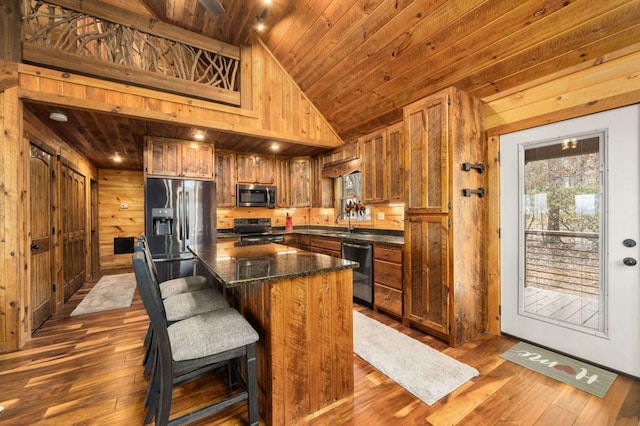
(78, 42)
(563, 261)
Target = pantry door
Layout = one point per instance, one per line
(570, 229)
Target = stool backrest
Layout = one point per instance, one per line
(152, 266)
(151, 299)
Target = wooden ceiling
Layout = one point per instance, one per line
(361, 61)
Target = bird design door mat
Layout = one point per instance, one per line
(579, 374)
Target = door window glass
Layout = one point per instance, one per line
(561, 279)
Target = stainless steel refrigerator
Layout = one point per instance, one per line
(178, 213)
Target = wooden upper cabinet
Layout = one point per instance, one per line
(225, 177)
(383, 165)
(179, 158)
(283, 182)
(255, 168)
(197, 160)
(426, 160)
(321, 188)
(374, 147)
(163, 157)
(300, 181)
(394, 173)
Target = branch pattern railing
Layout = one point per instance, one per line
(563, 261)
(57, 28)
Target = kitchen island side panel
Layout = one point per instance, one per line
(306, 342)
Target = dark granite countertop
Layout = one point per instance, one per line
(238, 265)
(358, 235)
(373, 236)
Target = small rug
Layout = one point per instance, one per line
(423, 371)
(110, 292)
(579, 374)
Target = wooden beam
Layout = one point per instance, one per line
(10, 30)
(12, 226)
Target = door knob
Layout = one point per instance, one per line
(629, 261)
(35, 247)
(629, 242)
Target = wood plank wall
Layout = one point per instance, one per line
(115, 188)
(598, 86)
(282, 107)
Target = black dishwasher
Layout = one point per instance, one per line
(362, 276)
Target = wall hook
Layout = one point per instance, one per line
(469, 192)
(468, 166)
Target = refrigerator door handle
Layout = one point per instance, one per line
(181, 213)
(187, 211)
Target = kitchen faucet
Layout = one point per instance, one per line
(348, 216)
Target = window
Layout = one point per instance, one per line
(351, 195)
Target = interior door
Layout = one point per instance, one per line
(73, 232)
(569, 237)
(40, 230)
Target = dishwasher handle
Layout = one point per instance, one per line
(356, 245)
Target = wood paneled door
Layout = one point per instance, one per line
(73, 230)
(40, 230)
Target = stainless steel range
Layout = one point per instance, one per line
(256, 231)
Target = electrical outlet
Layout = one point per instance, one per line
(380, 215)
(124, 205)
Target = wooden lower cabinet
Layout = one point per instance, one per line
(326, 245)
(387, 279)
(426, 272)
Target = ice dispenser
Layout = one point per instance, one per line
(162, 221)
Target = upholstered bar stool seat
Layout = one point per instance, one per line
(183, 285)
(211, 333)
(185, 305)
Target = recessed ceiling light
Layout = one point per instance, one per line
(59, 116)
(275, 147)
(117, 158)
(199, 136)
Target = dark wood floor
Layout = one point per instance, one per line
(86, 370)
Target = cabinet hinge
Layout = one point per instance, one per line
(499, 233)
(498, 156)
(500, 310)
(53, 231)
(448, 100)
(53, 173)
(449, 205)
(53, 287)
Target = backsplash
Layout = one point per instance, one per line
(382, 217)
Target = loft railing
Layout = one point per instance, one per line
(562, 261)
(72, 40)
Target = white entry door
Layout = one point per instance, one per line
(570, 235)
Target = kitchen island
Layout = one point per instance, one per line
(300, 303)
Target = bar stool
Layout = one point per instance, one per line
(178, 306)
(191, 346)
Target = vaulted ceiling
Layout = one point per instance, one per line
(361, 61)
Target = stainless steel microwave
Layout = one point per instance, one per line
(249, 195)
